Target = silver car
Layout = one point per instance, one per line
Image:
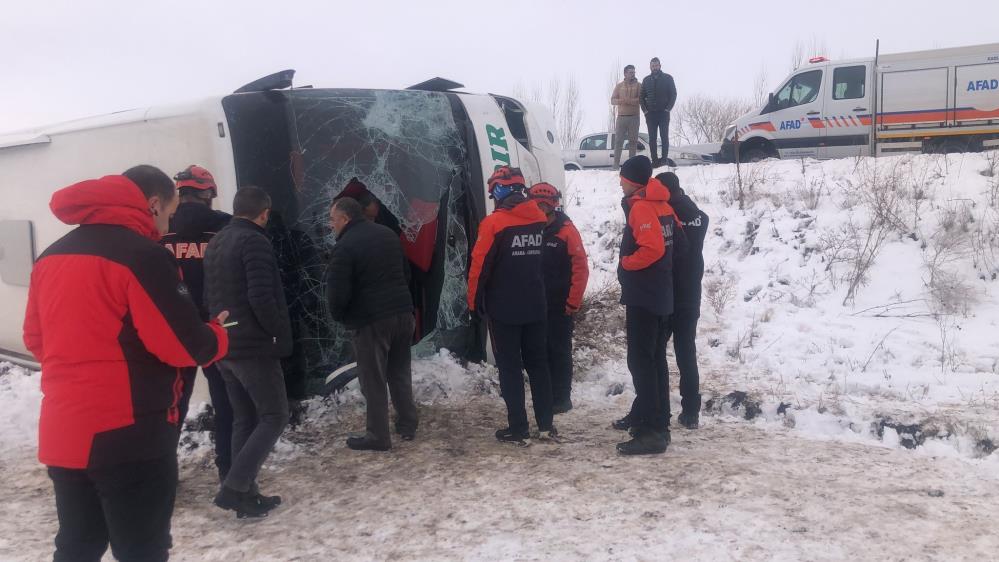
(596, 151)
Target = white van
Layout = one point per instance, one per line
(944, 100)
(425, 152)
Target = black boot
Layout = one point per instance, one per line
(245, 504)
(270, 501)
(366, 444)
(562, 406)
(689, 420)
(506, 435)
(645, 442)
(405, 434)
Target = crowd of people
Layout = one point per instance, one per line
(154, 283)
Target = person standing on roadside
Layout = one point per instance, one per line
(566, 271)
(657, 97)
(112, 323)
(626, 99)
(242, 276)
(646, 277)
(191, 228)
(506, 286)
(367, 291)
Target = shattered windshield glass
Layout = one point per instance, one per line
(408, 151)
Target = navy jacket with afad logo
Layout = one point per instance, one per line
(506, 281)
(565, 265)
(112, 324)
(688, 268)
(651, 236)
(191, 229)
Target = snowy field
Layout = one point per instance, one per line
(837, 426)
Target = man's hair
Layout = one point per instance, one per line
(349, 207)
(654, 59)
(152, 181)
(629, 67)
(250, 201)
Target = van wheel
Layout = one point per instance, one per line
(753, 155)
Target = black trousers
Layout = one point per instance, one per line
(383, 350)
(222, 409)
(658, 121)
(683, 329)
(560, 327)
(517, 347)
(127, 505)
(647, 333)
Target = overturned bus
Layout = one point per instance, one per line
(424, 152)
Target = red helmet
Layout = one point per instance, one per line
(508, 177)
(196, 177)
(545, 193)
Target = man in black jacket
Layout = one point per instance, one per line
(367, 291)
(657, 97)
(241, 275)
(191, 228)
(688, 270)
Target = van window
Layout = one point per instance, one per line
(596, 142)
(802, 89)
(848, 82)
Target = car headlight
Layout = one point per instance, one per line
(729, 132)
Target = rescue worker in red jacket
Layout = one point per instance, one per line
(113, 324)
(506, 286)
(645, 272)
(566, 272)
(191, 228)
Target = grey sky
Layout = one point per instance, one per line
(65, 59)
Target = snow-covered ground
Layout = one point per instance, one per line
(832, 431)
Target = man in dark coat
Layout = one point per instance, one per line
(646, 277)
(367, 291)
(657, 97)
(112, 323)
(688, 270)
(242, 276)
(191, 228)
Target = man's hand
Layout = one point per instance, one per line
(570, 311)
(222, 317)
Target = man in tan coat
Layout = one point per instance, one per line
(625, 97)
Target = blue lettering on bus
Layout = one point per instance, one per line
(979, 85)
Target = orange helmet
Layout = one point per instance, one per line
(545, 193)
(196, 177)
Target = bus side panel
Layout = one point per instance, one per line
(977, 94)
(496, 145)
(29, 175)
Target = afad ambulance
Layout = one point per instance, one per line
(944, 100)
(425, 152)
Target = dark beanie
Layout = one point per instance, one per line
(671, 181)
(637, 169)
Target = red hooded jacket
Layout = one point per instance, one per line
(111, 322)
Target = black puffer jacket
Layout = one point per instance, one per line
(242, 276)
(658, 93)
(366, 279)
(191, 229)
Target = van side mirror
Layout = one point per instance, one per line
(771, 104)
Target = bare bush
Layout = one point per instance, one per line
(804, 50)
(951, 243)
(881, 195)
(810, 194)
(720, 287)
(985, 245)
(761, 88)
(991, 171)
(743, 187)
(700, 119)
